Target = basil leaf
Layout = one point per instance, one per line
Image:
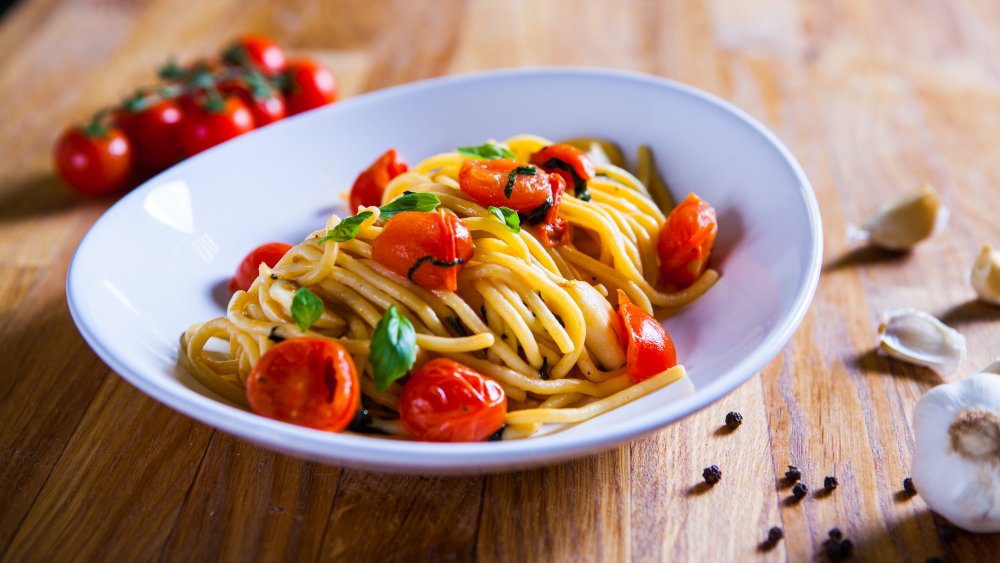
(489, 151)
(512, 177)
(508, 217)
(307, 308)
(393, 348)
(346, 229)
(409, 202)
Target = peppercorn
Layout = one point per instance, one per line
(908, 487)
(775, 534)
(836, 534)
(793, 474)
(800, 490)
(830, 483)
(733, 420)
(837, 548)
(712, 474)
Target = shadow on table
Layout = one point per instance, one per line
(971, 312)
(873, 361)
(40, 195)
(865, 256)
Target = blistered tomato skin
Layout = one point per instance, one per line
(649, 350)
(427, 247)
(686, 241)
(496, 182)
(445, 401)
(370, 185)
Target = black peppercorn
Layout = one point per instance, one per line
(800, 490)
(712, 474)
(830, 483)
(793, 474)
(775, 534)
(836, 534)
(836, 548)
(908, 487)
(733, 420)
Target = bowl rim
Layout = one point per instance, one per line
(460, 458)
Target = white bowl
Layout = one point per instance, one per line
(158, 260)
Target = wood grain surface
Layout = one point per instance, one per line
(872, 98)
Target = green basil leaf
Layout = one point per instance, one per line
(346, 229)
(412, 201)
(393, 348)
(489, 151)
(307, 308)
(508, 217)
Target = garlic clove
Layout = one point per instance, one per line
(986, 275)
(902, 223)
(919, 338)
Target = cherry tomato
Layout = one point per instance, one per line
(249, 268)
(554, 230)
(306, 381)
(266, 104)
(486, 182)
(154, 134)
(310, 85)
(445, 401)
(686, 241)
(94, 162)
(649, 349)
(569, 162)
(256, 51)
(204, 127)
(370, 185)
(428, 247)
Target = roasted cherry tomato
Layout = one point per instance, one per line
(505, 182)
(569, 162)
(428, 247)
(306, 381)
(265, 103)
(205, 126)
(370, 184)
(256, 51)
(445, 401)
(310, 85)
(155, 135)
(686, 241)
(554, 230)
(249, 268)
(94, 162)
(649, 349)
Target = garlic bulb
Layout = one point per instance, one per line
(902, 223)
(986, 275)
(919, 338)
(956, 463)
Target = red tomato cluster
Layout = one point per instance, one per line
(197, 107)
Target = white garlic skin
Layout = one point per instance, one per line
(965, 492)
(920, 338)
(985, 276)
(906, 221)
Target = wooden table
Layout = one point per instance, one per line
(873, 98)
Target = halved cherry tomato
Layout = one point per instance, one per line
(370, 184)
(94, 162)
(265, 103)
(154, 133)
(256, 51)
(569, 162)
(649, 349)
(486, 181)
(428, 247)
(310, 85)
(306, 381)
(445, 401)
(205, 126)
(554, 230)
(686, 241)
(249, 268)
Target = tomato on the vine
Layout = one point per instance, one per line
(154, 133)
(209, 124)
(445, 401)
(306, 381)
(249, 267)
(649, 350)
(370, 184)
(94, 160)
(427, 247)
(256, 51)
(686, 241)
(265, 103)
(310, 85)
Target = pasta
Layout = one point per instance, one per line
(537, 319)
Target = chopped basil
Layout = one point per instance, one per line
(409, 201)
(393, 348)
(307, 308)
(434, 261)
(537, 215)
(512, 176)
(489, 151)
(456, 325)
(508, 217)
(346, 229)
(579, 184)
